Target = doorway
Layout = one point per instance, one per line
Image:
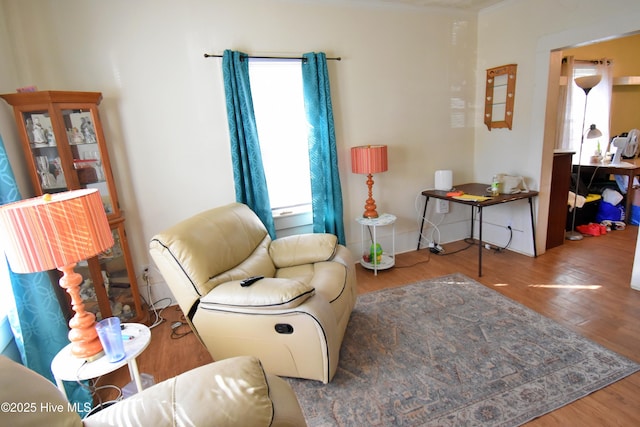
(625, 98)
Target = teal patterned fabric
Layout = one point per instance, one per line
(248, 171)
(326, 193)
(36, 319)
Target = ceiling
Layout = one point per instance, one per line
(473, 5)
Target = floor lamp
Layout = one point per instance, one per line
(57, 231)
(586, 83)
(369, 159)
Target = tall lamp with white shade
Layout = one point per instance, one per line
(586, 83)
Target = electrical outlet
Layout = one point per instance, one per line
(145, 274)
(442, 206)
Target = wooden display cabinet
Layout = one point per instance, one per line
(65, 149)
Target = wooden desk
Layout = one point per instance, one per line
(631, 170)
(479, 190)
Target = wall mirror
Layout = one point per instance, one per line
(500, 94)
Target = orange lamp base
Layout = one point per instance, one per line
(370, 204)
(370, 212)
(85, 343)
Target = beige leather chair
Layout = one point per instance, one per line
(229, 393)
(293, 319)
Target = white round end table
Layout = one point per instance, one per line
(66, 367)
(387, 259)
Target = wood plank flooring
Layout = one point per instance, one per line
(582, 285)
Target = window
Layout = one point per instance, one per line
(278, 102)
(597, 110)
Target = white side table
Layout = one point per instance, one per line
(388, 259)
(66, 367)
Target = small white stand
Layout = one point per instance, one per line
(66, 367)
(388, 259)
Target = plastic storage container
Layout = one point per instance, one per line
(131, 389)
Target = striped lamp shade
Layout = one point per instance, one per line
(53, 231)
(369, 159)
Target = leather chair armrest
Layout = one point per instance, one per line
(32, 400)
(219, 394)
(287, 408)
(302, 249)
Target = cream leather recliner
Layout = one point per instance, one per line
(293, 319)
(229, 393)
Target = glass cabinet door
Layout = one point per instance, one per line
(107, 290)
(86, 156)
(65, 149)
(44, 151)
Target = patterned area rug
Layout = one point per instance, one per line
(451, 352)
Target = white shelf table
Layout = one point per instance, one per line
(388, 259)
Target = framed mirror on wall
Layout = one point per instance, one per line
(500, 96)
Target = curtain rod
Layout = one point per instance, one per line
(290, 58)
(588, 61)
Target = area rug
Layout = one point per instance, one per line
(452, 352)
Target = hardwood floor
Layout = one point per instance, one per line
(583, 285)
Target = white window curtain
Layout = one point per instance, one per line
(573, 107)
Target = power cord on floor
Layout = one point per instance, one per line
(158, 312)
(498, 249)
(425, 261)
(431, 240)
(180, 328)
(90, 386)
(153, 305)
(469, 244)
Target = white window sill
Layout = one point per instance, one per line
(293, 220)
(291, 210)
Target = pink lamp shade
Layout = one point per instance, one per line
(41, 235)
(57, 231)
(369, 159)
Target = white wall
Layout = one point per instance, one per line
(8, 131)
(164, 105)
(525, 32)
